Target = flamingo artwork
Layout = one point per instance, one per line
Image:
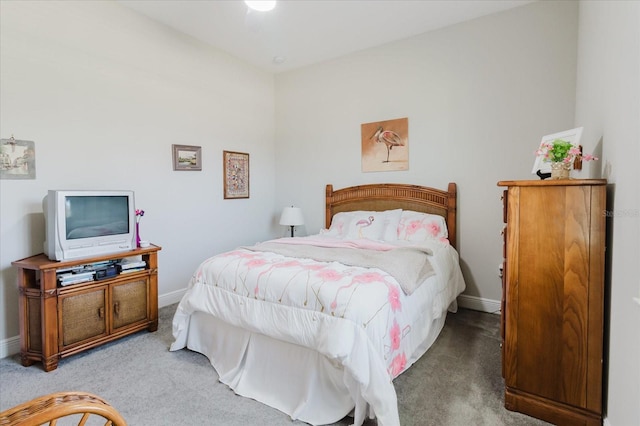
(389, 138)
(363, 223)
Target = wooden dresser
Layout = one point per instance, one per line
(553, 299)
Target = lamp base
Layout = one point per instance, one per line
(292, 231)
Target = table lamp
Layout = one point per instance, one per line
(291, 216)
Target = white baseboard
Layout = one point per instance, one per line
(171, 298)
(11, 345)
(479, 304)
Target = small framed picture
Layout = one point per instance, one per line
(17, 159)
(573, 136)
(187, 157)
(236, 174)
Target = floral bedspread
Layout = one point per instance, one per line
(359, 317)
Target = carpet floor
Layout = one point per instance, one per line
(457, 382)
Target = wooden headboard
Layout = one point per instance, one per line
(389, 196)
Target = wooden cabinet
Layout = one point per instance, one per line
(553, 299)
(56, 321)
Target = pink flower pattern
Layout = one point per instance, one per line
(394, 335)
(432, 228)
(413, 227)
(394, 298)
(398, 365)
(329, 285)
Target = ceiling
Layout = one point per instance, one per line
(302, 32)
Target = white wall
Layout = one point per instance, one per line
(608, 99)
(104, 93)
(479, 96)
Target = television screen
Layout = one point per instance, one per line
(96, 216)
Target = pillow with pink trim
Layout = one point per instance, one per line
(416, 227)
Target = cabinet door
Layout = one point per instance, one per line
(81, 316)
(130, 302)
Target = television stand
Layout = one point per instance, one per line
(58, 321)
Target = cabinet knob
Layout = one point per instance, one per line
(101, 313)
(116, 308)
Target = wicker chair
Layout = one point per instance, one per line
(47, 409)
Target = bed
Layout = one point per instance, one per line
(319, 326)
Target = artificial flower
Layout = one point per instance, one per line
(560, 151)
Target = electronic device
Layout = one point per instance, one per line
(88, 223)
(107, 271)
(68, 278)
(124, 265)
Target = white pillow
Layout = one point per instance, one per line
(384, 225)
(392, 218)
(339, 225)
(416, 226)
(374, 225)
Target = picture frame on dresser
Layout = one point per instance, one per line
(573, 136)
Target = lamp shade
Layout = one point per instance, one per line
(291, 216)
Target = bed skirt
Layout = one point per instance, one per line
(296, 380)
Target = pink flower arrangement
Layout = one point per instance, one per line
(560, 151)
(139, 214)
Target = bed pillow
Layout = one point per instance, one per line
(339, 225)
(417, 227)
(345, 225)
(392, 221)
(381, 226)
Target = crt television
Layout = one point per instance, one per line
(88, 223)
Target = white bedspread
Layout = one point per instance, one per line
(358, 318)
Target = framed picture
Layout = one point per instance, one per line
(573, 136)
(187, 157)
(385, 145)
(17, 159)
(236, 174)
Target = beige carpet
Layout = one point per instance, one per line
(457, 382)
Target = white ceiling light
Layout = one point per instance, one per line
(261, 5)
